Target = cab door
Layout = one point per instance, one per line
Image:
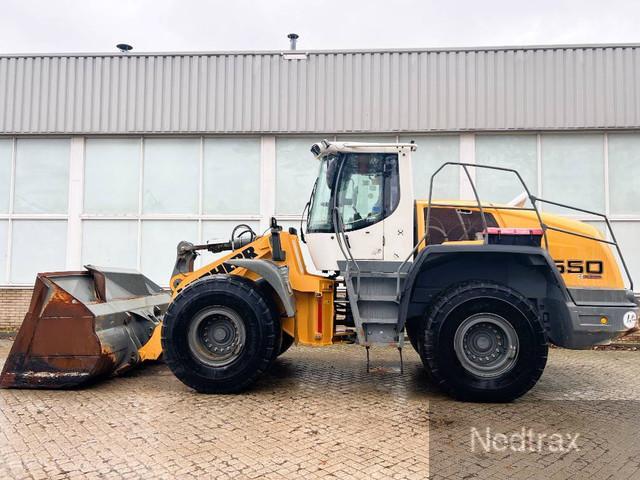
(361, 203)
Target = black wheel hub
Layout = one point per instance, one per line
(486, 345)
(216, 336)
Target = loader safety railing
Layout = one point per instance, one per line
(533, 200)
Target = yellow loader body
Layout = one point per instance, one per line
(313, 323)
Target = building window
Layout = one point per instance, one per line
(171, 175)
(432, 152)
(4, 261)
(112, 176)
(34, 195)
(510, 151)
(159, 239)
(573, 170)
(627, 236)
(220, 231)
(41, 176)
(6, 149)
(231, 176)
(624, 173)
(296, 171)
(37, 246)
(144, 195)
(110, 243)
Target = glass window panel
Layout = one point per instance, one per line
(112, 174)
(431, 153)
(171, 175)
(510, 151)
(296, 170)
(4, 231)
(110, 243)
(231, 175)
(37, 246)
(573, 170)
(42, 175)
(6, 147)
(220, 231)
(627, 234)
(624, 173)
(159, 241)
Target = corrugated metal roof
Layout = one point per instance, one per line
(532, 88)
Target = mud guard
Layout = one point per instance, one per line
(276, 276)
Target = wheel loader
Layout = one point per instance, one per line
(480, 290)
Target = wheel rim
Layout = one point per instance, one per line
(216, 336)
(486, 345)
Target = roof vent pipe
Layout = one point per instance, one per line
(293, 38)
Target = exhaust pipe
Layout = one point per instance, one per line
(85, 325)
(293, 39)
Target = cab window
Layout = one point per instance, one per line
(456, 224)
(367, 192)
(368, 189)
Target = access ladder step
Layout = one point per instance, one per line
(369, 297)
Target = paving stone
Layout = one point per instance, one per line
(316, 414)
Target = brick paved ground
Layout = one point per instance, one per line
(318, 413)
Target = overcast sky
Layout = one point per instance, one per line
(193, 25)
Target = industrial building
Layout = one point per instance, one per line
(112, 159)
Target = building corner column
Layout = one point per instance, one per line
(74, 209)
(467, 155)
(267, 180)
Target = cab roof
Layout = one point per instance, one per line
(326, 147)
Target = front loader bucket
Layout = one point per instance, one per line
(82, 326)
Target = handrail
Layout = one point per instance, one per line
(338, 226)
(604, 217)
(465, 167)
(339, 234)
(534, 208)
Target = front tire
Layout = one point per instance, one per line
(287, 342)
(219, 334)
(484, 342)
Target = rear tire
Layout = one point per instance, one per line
(413, 328)
(483, 342)
(219, 334)
(287, 341)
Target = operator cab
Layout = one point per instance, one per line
(362, 203)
